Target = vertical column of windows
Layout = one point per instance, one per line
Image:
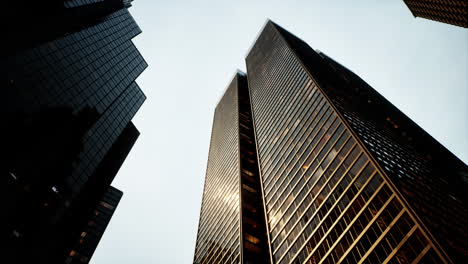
(322, 115)
(309, 184)
(278, 142)
(296, 152)
(324, 201)
(286, 124)
(311, 162)
(286, 99)
(310, 191)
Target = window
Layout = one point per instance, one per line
(106, 205)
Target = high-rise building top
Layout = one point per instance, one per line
(68, 100)
(344, 176)
(453, 12)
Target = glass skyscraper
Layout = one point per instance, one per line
(69, 94)
(232, 227)
(344, 176)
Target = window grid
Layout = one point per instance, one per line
(319, 161)
(323, 115)
(286, 127)
(314, 183)
(313, 144)
(345, 180)
(318, 103)
(272, 161)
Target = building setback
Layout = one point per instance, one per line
(69, 95)
(344, 176)
(453, 12)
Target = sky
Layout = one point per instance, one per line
(193, 49)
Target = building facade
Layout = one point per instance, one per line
(92, 233)
(453, 12)
(232, 226)
(345, 177)
(69, 94)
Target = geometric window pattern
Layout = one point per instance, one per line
(326, 201)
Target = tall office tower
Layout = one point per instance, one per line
(68, 97)
(453, 12)
(347, 177)
(98, 220)
(344, 176)
(232, 220)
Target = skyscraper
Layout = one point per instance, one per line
(68, 98)
(232, 226)
(453, 12)
(345, 177)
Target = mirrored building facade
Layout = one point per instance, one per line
(345, 177)
(69, 94)
(232, 226)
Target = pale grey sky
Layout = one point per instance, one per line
(194, 47)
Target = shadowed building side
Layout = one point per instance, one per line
(95, 195)
(254, 234)
(97, 222)
(32, 23)
(453, 12)
(68, 97)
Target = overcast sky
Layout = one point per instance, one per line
(193, 49)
